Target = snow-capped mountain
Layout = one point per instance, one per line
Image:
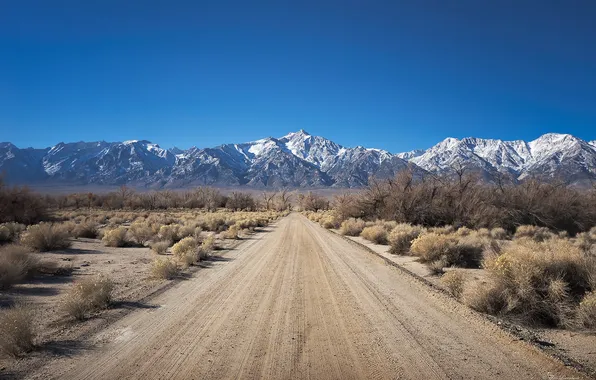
(551, 155)
(295, 160)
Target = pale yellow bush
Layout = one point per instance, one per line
(400, 238)
(351, 227)
(186, 251)
(165, 269)
(376, 234)
(87, 296)
(115, 237)
(46, 237)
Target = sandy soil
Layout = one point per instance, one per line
(301, 302)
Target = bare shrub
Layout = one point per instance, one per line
(538, 282)
(16, 330)
(454, 281)
(46, 237)
(352, 227)
(160, 247)
(533, 232)
(16, 263)
(165, 269)
(376, 234)
(88, 229)
(115, 237)
(88, 296)
(186, 251)
(400, 238)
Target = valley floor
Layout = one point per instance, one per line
(302, 302)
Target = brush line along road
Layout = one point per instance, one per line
(299, 302)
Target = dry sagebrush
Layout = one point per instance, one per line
(16, 330)
(87, 296)
(16, 263)
(46, 237)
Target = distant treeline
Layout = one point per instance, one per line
(429, 200)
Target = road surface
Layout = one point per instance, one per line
(299, 302)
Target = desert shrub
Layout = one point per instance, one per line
(207, 246)
(533, 232)
(16, 330)
(115, 237)
(437, 267)
(88, 229)
(584, 241)
(444, 230)
(141, 232)
(10, 232)
(454, 282)
(188, 230)
(538, 282)
(586, 312)
(45, 237)
(215, 223)
(169, 232)
(448, 249)
(463, 231)
(231, 232)
(351, 227)
(400, 238)
(186, 251)
(16, 263)
(165, 269)
(160, 247)
(88, 296)
(498, 233)
(377, 234)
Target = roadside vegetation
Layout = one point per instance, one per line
(42, 235)
(534, 243)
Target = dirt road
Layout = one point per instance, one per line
(296, 303)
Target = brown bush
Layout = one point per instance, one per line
(88, 229)
(586, 312)
(46, 237)
(115, 237)
(87, 296)
(141, 232)
(537, 282)
(376, 234)
(454, 282)
(533, 232)
(16, 330)
(400, 238)
(186, 251)
(16, 263)
(10, 232)
(165, 269)
(352, 227)
(448, 249)
(160, 247)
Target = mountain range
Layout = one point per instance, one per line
(295, 160)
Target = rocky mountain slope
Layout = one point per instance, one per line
(295, 160)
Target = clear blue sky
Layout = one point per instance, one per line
(394, 74)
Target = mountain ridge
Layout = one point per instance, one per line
(297, 159)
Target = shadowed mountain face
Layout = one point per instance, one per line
(295, 160)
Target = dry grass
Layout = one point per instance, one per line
(352, 227)
(586, 312)
(533, 232)
(160, 247)
(115, 237)
(376, 234)
(87, 296)
(165, 269)
(16, 263)
(186, 251)
(537, 282)
(400, 238)
(499, 233)
(454, 281)
(16, 331)
(46, 237)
